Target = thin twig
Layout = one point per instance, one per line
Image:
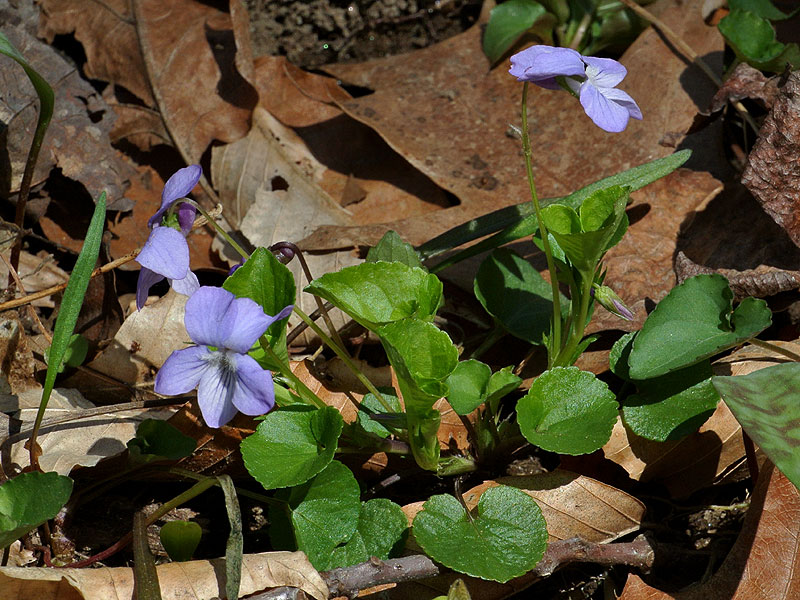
(62, 286)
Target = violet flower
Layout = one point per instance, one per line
(166, 253)
(592, 79)
(227, 379)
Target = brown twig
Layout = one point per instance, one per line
(62, 286)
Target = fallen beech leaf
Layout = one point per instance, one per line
(763, 563)
(75, 143)
(771, 174)
(572, 505)
(189, 73)
(683, 466)
(438, 111)
(195, 580)
(82, 442)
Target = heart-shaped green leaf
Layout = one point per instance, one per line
(763, 8)
(693, 322)
(753, 40)
(392, 248)
(668, 407)
(381, 292)
(468, 384)
(514, 293)
(381, 526)
(323, 514)
(504, 540)
(765, 403)
(291, 445)
(28, 500)
(568, 411)
(370, 405)
(156, 439)
(180, 539)
(269, 283)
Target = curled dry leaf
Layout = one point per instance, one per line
(573, 506)
(773, 167)
(746, 82)
(194, 580)
(189, 74)
(75, 142)
(763, 563)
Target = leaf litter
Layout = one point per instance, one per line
(417, 162)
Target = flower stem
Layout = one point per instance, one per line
(554, 342)
(345, 358)
(240, 491)
(775, 348)
(579, 315)
(301, 388)
(219, 229)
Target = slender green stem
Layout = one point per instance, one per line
(555, 331)
(775, 348)
(242, 492)
(578, 321)
(345, 358)
(217, 226)
(580, 32)
(490, 340)
(301, 388)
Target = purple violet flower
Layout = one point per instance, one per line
(593, 79)
(227, 379)
(166, 253)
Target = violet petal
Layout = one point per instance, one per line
(206, 317)
(182, 371)
(165, 252)
(178, 186)
(255, 393)
(604, 72)
(541, 64)
(147, 279)
(215, 394)
(606, 114)
(625, 101)
(248, 323)
(186, 286)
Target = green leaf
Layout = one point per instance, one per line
(75, 353)
(468, 385)
(392, 248)
(507, 22)
(422, 357)
(234, 546)
(765, 403)
(753, 40)
(28, 500)
(382, 525)
(270, 284)
(693, 322)
(157, 439)
(568, 411)
(72, 301)
(762, 8)
(383, 292)
(370, 405)
(180, 539)
(504, 540)
(514, 293)
(586, 235)
(323, 514)
(501, 383)
(291, 445)
(519, 221)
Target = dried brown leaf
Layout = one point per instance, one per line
(772, 173)
(194, 580)
(746, 82)
(79, 145)
(763, 563)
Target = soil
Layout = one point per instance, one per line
(317, 32)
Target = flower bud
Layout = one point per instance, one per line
(609, 300)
